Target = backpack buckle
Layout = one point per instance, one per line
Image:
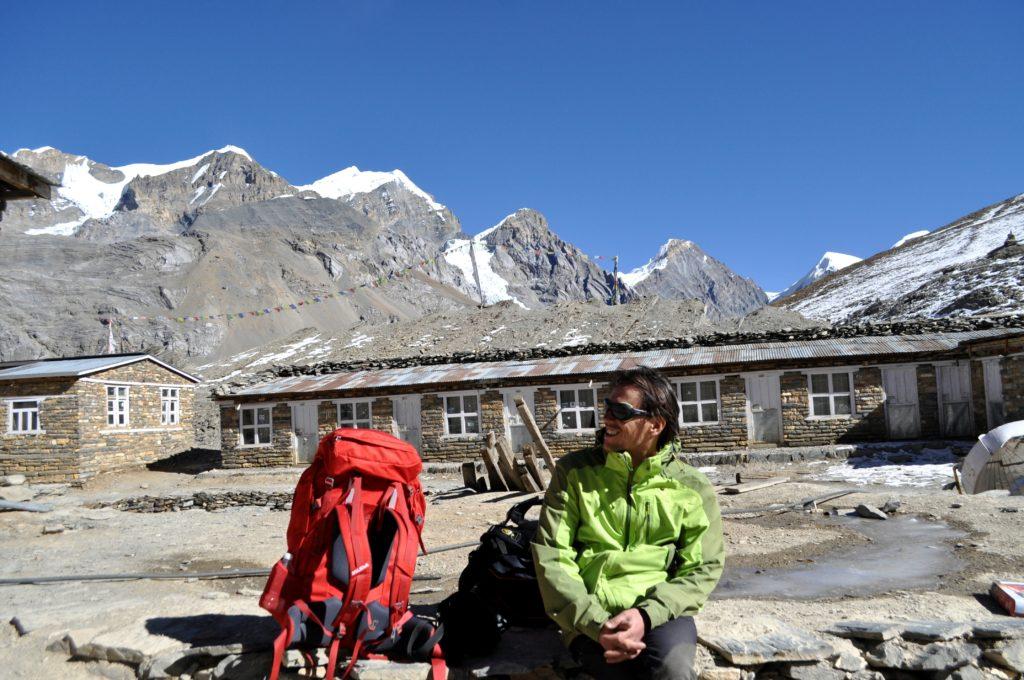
(329, 482)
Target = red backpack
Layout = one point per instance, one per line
(355, 527)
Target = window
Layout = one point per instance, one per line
(698, 402)
(24, 416)
(117, 405)
(170, 406)
(831, 394)
(577, 409)
(255, 426)
(462, 414)
(355, 414)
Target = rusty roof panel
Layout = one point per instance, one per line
(754, 353)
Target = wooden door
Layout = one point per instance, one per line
(306, 431)
(764, 409)
(902, 412)
(955, 415)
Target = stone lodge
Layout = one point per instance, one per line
(69, 419)
(951, 385)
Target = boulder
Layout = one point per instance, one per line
(870, 512)
(1008, 655)
(907, 656)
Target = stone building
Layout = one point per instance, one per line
(788, 393)
(69, 419)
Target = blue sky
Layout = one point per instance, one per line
(768, 133)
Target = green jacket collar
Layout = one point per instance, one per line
(621, 462)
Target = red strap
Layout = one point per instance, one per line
(280, 643)
(332, 658)
(438, 667)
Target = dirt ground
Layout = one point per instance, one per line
(934, 559)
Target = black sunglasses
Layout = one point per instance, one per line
(622, 411)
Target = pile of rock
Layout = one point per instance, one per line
(202, 501)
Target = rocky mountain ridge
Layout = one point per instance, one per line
(828, 263)
(681, 269)
(951, 271)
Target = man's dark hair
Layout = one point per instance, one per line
(658, 397)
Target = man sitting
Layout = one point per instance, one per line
(630, 540)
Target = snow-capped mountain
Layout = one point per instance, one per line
(828, 263)
(960, 269)
(682, 270)
(522, 260)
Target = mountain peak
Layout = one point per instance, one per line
(352, 181)
(671, 247)
(826, 264)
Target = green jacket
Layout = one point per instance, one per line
(611, 538)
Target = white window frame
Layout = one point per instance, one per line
(170, 406)
(832, 394)
(354, 421)
(578, 410)
(678, 383)
(14, 415)
(255, 427)
(462, 414)
(113, 411)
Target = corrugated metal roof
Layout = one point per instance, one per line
(74, 368)
(444, 374)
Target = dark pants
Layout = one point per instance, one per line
(669, 655)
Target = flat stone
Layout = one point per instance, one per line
(717, 673)
(784, 644)
(998, 629)
(821, 670)
(967, 673)
(17, 494)
(243, 666)
(870, 512)
(864, 630)
(850, 661)
(867, 675)
(12, 480)
(907, 656)
(933, 631)
(385, 670)
(53, 529)
(1008, 655)
(130, 645)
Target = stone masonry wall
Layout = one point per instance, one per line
(108, 447)
(51, 456)
(436, 445)
(280, 451)
(867, 423)
(928, 401)
(731, 430)
(1013, 387)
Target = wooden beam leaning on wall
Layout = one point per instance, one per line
(507, 463)
(530, 458)
(494, 474)
(538, 439)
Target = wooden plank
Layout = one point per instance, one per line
(538, 438)
(490, 454)
(471, 478)
(754, 486)
(530, 458)
(529, 483)
(20, 179)
(507, 463)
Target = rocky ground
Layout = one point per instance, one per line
(791, 576)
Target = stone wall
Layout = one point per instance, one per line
(436, 445)
(280, 451)
(107, 447)
(545, 410)
(978, 404)
(731, 430)
(867, 423)
(928, 401)
(1013, 387)
(51, 456)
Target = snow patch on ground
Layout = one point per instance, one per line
(288, 351)
(351, 181)
(910, 237)
(360, 340)
(931, 467)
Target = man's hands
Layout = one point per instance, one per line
(622, 636)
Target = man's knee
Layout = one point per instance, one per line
(671, 649)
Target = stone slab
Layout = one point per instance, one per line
(785, 643)
(998, 629)
(935, 657)
(933, 631)
(864, 630)
(821, 670)
(1008, 655)
(870, 512)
